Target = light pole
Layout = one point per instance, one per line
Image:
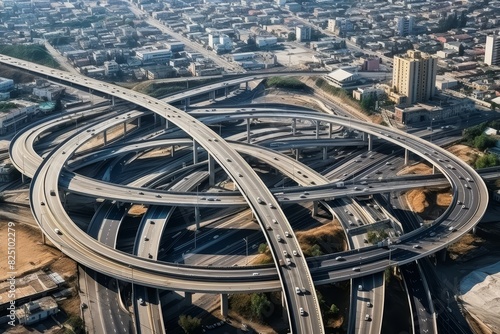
(432, 119)
(246, 243)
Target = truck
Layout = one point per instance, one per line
(340, 184)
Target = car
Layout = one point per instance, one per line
(158, 195)
(356, 188)
(464, 207)
(459, 203)
(466, 186)
(216, 236)
(288, 262)
(367, 317)
(141, 301)
(42, 203)
(360, 287)
(141, 193)
(57, 231)
(301, 310)
(271, 205)
(339, 258)
(260, 201)
(228, 160)
(268, 227)
(356, 269)
(274, 221)
(255, 274)
(146, 239)
(297, 290)
(287, 234)
(285, 253)
(350, 223)
(84, 306)
(416, 246)
(368, 304)
(52, 193)
(278, 237)
(294, 252)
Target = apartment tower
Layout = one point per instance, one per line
(492, 50)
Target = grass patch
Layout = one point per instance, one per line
(328, 238)
(286, 83)
(33, 53)
(7, 106)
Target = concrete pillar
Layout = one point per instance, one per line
(317, 129)
(407, 156)
(315, 209)
(248, 129)
(325, 153)
(442, 255)
(246, 85)
(433, 169)
(283, 304)
(294, 126)
(105, 137)
(225, 92)
(112, 100)
(138, 122)
(474, 230)
(370, 142)
(124, 128)
(195, 152)
(297, 154)
(172, 151)
(197, 217)
(363, 136)
(330, 129)
(43, 238)
(188, 298)
(155, 118)
(224, 305)
(211, 170)
(166, 124)
(211, 95)
(187, 101)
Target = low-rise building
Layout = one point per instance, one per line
(341, 78)
(425, 112)
(36, 311)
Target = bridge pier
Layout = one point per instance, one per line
(225, 92)
(370, 142)
(187, 101)
(195, 152)
(224, 305)
(197, 218)
(294, 126)
(166, 124)
(433, 169)
(211, 170)
(317, 129)
(246, 85)
(474, 230)
(330, 129)
(113, 100)
(248, 130)
(442, 255)
(211, 95)
(105, 137)
(124, 128)
(407, 156)
(297, 154)
(325, 153)
(314, 212)
(188, 298)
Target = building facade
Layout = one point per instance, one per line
(492, 50)
(414, 78)
(303, 33)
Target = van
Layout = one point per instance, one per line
(360, 287)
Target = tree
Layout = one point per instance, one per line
(334, 309)
(262, 248)
(189, 324)
(315, 250)
(258, 304)
(461, 50)
(291, 37)
(488, 160)
(483, 141)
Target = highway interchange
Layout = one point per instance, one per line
(54, 172)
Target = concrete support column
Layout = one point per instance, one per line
(212, 95)
(187, 101)
(166, 124)
(105, 137)
(225, 92)
(195, 152)
(317, 129)
(283, 304)
(248, 129)
(172, 151)
(474, 230)
(297, 154)
(112, 100)
(325, 153)
(155, 118)
(197, 217)
(363, 134)
(370, 142)
(442, 255)
(188, 298)
(294, 126)
(433, 169)
(211, 170)
(246, 85)
(138, 122)
(224, 305)
(407, 156)
(315, 209)
(124, 128)
(330, 129)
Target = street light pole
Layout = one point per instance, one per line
(246, 243)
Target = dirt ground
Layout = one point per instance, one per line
(465, 153)
(418, 169)
(32, 255)
(429, 203)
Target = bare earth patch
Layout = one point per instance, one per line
(419, 169)
(330, 237)
(429, 203)
(137, 210)
(464, 245)
(465, 153)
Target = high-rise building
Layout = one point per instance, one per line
(492, 50)
(303, 33)
(413, 78)
(404, 25)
